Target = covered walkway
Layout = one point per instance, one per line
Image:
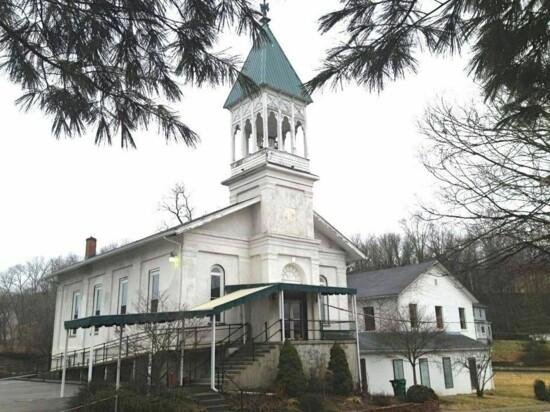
(237, 296)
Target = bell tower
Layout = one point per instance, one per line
(269, 140)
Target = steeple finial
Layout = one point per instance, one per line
(264, 7)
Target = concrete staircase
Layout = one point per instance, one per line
(244, 359)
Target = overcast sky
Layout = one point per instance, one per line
(364, 147)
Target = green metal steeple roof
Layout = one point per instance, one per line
(268, 66)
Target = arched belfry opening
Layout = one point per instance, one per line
(300, 137)
(259, 131)
(287, 136)
(272, 129)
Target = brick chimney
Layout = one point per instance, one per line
(91, 244)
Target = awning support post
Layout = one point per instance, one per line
(213, 355)
(118, 360)
(182, 350)
(64, 366)
(354, 304)
(319, 312)
(91, 357)
(282, 297)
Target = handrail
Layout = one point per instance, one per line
(131, 339)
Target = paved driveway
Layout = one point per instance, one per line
(27, 396)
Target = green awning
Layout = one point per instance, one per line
(236, 295)
(127, 319)
(296, 287)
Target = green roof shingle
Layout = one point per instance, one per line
(268, 66)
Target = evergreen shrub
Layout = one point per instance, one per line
(311, 402)
(291, 378)
(542, 393)
(342, 383)
(421, 394)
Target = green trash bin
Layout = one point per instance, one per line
(399, 387)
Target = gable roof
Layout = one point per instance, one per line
(380, 342)
(268, 66)
(176, 230)
(387, 282)
(336, 236)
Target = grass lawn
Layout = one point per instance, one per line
(508, 350)
(512, 389)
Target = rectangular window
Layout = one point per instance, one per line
(75, 309)
(448, 373)
(472, 367)
(154, 290)
(98, 302)
(439, 317)
(398, 372)
(424, 372)
(462, 315)
(370, 324)
(413, 314)
(123, 296)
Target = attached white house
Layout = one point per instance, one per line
(259, 270)
(484, 332)
(423, 302)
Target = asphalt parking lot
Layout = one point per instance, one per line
(27, 396)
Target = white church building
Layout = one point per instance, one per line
(264, 269)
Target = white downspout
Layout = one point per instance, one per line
(64, 370)
(213, 355)
(354, 302)
(91, 357)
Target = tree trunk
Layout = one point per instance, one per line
(414, 373)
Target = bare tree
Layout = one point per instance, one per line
(411, 335)
(480, 366)
(494, 181)
(114, 245)
(27, 304)
(177, 205)
(160, 341)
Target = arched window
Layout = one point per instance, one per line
(324, 301)
(217, 275)
(292, 274)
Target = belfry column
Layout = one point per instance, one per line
(244, 140)
(264, 111)
(280, 131)
(293, 131)
(232, 144)
(254, 136)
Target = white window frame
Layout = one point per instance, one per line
(152, 274)
(121, 282)
(75, 309)
(219, 271)
(98, 303)
(462, 318)
(398, 367)
(325, 308)
(424, 379)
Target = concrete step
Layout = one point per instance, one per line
(211, 401)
